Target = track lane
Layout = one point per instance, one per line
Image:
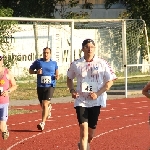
(122, 125)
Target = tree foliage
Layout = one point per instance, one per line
(137, 9)
(64, 13)
(6, 30)
(30, 8)
(43, 8)
(35, 9)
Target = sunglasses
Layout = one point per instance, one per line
(1, 57)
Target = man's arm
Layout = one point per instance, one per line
(145, 90)
(146, 94)
(70, 85)
(33, 67)
(105, 88)
(32, 71)
(12, 81)
(56, 74)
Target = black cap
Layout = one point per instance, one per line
(87, 41)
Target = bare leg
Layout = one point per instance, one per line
(45, 104)
(90, 136)
(3, 126)
(83, 136)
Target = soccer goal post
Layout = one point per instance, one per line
(123, 43)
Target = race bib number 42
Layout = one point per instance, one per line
(89, 87)
(46, 79)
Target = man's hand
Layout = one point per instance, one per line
(56, 77)
(5, 93)
(74, 94)
(39, 71)
(93, 95)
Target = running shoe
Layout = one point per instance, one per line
(5, 135)
(41, 126)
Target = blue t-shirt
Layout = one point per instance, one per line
(47, 78)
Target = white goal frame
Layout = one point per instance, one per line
(73, 21)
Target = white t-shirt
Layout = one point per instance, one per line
(96, 73)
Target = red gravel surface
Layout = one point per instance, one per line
(122, 125)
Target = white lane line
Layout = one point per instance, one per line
(142, 107)
(68, 116)
(104, 110)
(50, 120)
(122, 103)
(136, 102)
(140, 113)
(33, 136)
(74, 125)
(109, 118)
(120, 128)
(117, 116)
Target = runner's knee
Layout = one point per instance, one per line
(45, 104)
(84, 130)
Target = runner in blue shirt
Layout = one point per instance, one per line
(47, 74)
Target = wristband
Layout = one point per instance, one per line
(72, 90)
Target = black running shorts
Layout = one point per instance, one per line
(45, 93)
(88, 114)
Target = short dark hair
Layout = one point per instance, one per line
(47, 48)
(87, 41)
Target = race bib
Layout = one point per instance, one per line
(89, 87)
(46, 79)
(1, 89)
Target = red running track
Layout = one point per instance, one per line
(122, 125)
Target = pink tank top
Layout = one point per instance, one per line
(4, 85)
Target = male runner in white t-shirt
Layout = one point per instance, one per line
(94, 77)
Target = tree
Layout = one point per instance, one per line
(6, 30)
(66, 12)
(45, 8)
(31, 8)
(135, 9)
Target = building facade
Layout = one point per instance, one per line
(98, 11)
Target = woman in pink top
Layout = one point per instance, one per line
(7, 85)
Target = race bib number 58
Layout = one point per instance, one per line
(89, 87)
(46, 79)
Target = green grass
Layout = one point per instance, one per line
(132, 81)
(20, 111)
(27, 91)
